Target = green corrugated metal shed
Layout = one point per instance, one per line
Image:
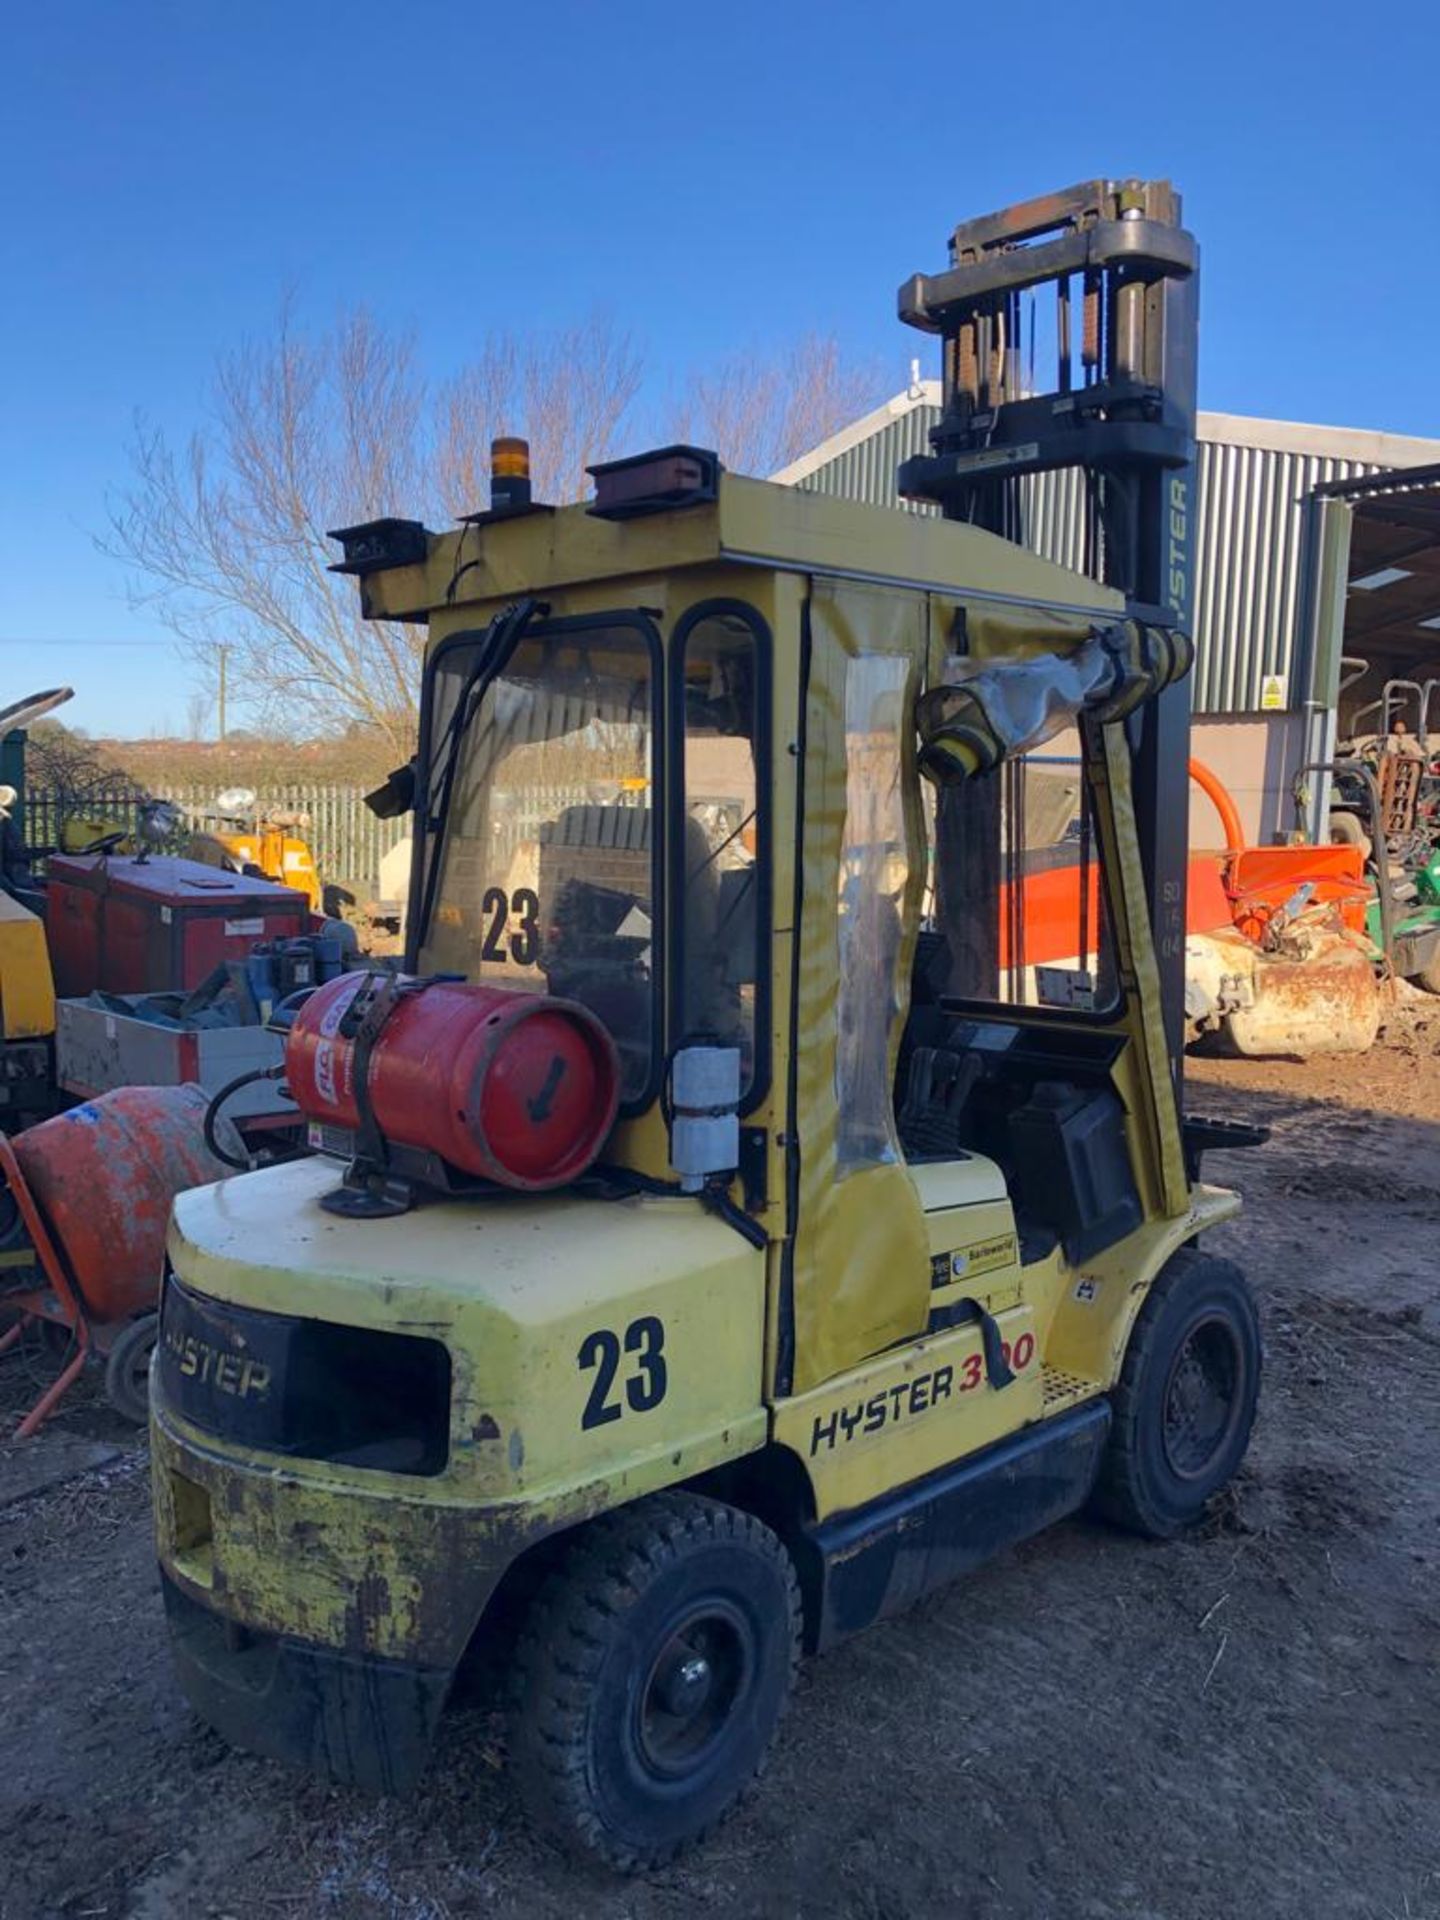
(1254, 477)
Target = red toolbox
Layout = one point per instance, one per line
(138, 926)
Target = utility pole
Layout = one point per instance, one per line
(224, 653)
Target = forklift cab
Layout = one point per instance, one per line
(837, 820)
(763, 802)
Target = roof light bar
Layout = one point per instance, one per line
(657, 482)
(377, 545)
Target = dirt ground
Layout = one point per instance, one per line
(1245, 1723)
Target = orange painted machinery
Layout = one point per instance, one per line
(82, 1232)
(1259, 882)
(1280, 962)
(1237, 886)
(1277, 956)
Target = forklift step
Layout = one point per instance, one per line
(1059, 1389)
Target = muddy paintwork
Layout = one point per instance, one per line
(515, 1289)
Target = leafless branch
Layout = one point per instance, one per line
(759, 412)
(224, 536)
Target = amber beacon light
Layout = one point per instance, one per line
(509, 474)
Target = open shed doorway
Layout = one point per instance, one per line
(1377, 664)
(1391, 636)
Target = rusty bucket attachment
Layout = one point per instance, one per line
(1321, 996)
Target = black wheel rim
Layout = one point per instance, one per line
(1202, 1398)
(701, 1673)
(138, 1372)
(127, 1377)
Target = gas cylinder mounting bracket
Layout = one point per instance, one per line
(370, 1190)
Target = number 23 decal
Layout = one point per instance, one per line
(524, 941)
(645, 1385)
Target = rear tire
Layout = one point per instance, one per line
(127, 1368)
(13, 1231)
(653, 1674)
(1185, 1403)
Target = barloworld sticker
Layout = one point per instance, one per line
(964, 1263)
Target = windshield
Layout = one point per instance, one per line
(543, 869)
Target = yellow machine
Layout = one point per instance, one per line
(235, 835)
(27, 986)
(27, 983)
(891, 1257)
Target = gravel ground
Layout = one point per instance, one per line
(1241, 1723)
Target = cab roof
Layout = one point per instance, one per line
(748, 523)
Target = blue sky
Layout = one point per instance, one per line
(712, 176)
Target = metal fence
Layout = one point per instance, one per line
(346, 838)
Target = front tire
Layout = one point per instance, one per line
(1185, 1403)
(653, 1675)
(127, 1368)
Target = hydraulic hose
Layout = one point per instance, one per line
(212, 1114)
(715, 1198)
(1218, 794)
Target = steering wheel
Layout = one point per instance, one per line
(107, 843)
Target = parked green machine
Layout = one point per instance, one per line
(1415, 936)
(1402, 860)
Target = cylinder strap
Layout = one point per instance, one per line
(362, 1024)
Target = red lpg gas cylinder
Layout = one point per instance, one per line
(104, 1175)
(519, 1088)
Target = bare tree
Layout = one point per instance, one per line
(571, 393)
(197, 713)
(74, 772)
(225, 536)
(759, 412)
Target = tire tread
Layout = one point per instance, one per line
(1119, 1495)
(558, 1658)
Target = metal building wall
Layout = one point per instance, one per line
(1248, 559)
(866, 471)
(1247, 578)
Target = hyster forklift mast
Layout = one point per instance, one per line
(1119, 416)
(690, 1274)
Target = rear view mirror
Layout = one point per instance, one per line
(396, 795)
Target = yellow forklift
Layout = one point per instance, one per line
(725, 1233)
